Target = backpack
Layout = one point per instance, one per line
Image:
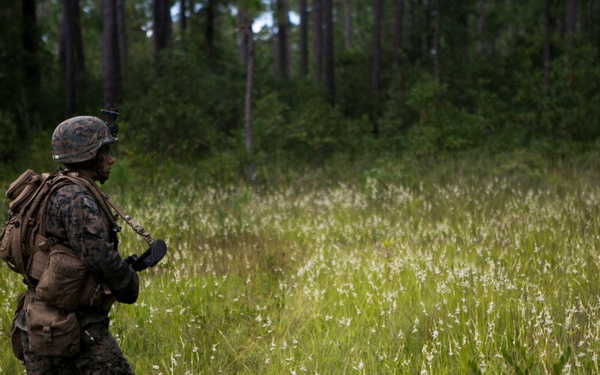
(23, 246)
(28, 197)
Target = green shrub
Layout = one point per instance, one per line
(8, 137)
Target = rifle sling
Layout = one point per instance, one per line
(103, 199)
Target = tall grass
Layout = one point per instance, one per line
(441, 273)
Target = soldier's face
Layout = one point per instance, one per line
(105, 162)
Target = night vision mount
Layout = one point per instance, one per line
(111, 116)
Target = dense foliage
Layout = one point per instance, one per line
(485, 89)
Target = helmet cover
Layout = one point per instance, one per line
(78, 139)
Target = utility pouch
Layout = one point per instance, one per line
(52, 331)
(62, 281)
(38, 255)
(15, 333)
(23, 194)
(10, 244)
(95, 294)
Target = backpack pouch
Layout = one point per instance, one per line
(62, 281)
(52, 331)
(10, 245)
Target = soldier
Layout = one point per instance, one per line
(78, 219)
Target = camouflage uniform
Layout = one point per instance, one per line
(74, 217)
(100, 355)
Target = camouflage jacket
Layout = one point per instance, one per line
(73, 216)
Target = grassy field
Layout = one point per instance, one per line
(440, 273)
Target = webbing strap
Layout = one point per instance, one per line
(103, 198)
(132, 223)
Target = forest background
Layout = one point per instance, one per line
(381, 186)
(210, 85)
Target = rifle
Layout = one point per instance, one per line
(158, 248)
(149, 258)
(111, 115)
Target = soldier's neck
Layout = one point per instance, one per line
(88, 175)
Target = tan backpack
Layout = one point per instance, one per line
(28, 195)
(22, 238)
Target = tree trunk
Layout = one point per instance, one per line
(67, 54)
(398, 28)
(162, 27)
(571, 16)
(560, 19)
(413, 35)
(376, 64)
(30, 42)
(110, 56)
(546, 43)
(248, 102)
(303, 64)
(182, 15)
(121, 34)
(347, 25)
(317, 39)
(411, 18)
(78, 38)
(480, 25)
(590, 17)
(329, 53)
(437, 24)
(283, 26)
(209, 31)
(242, 35)
(426, 32)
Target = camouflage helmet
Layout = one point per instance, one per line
(78, 139)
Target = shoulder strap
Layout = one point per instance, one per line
(132, 223)
(105, 201)
(30, 233)
(91, 187)
(56, 182)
